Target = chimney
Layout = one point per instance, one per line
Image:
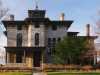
(88, 30)
(11, 17)
(62, 16)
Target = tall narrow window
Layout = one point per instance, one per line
(54, 41)
(49, 42)
(19, 40)
(37, 39)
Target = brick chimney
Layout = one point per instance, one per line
(62, 16)
(88, 30)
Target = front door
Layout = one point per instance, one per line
(37, 58)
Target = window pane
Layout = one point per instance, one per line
(37, 39)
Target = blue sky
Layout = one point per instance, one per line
(81, 11)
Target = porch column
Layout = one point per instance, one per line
(14, 57)
(7, 57)
(30, 35)
(24, 61)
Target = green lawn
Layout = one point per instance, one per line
(15, 73)
(49, 73)
(60, 73)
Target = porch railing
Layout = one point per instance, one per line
(15, 65)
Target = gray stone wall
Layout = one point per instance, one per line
(60, 32)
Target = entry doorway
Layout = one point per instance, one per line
(36, 58)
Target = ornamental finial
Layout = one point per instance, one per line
(36, 3)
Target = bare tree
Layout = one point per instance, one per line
(3, 12)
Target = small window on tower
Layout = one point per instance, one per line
(37, 25)
(19, 27)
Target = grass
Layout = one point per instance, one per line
(15, 73)
(51, 73)
(77, 73)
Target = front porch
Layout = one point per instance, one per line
(23, 56)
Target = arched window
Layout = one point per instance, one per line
(36, 38)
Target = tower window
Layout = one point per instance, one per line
(19, 27)
(19, 39)
(37, 25)
(37, 39)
